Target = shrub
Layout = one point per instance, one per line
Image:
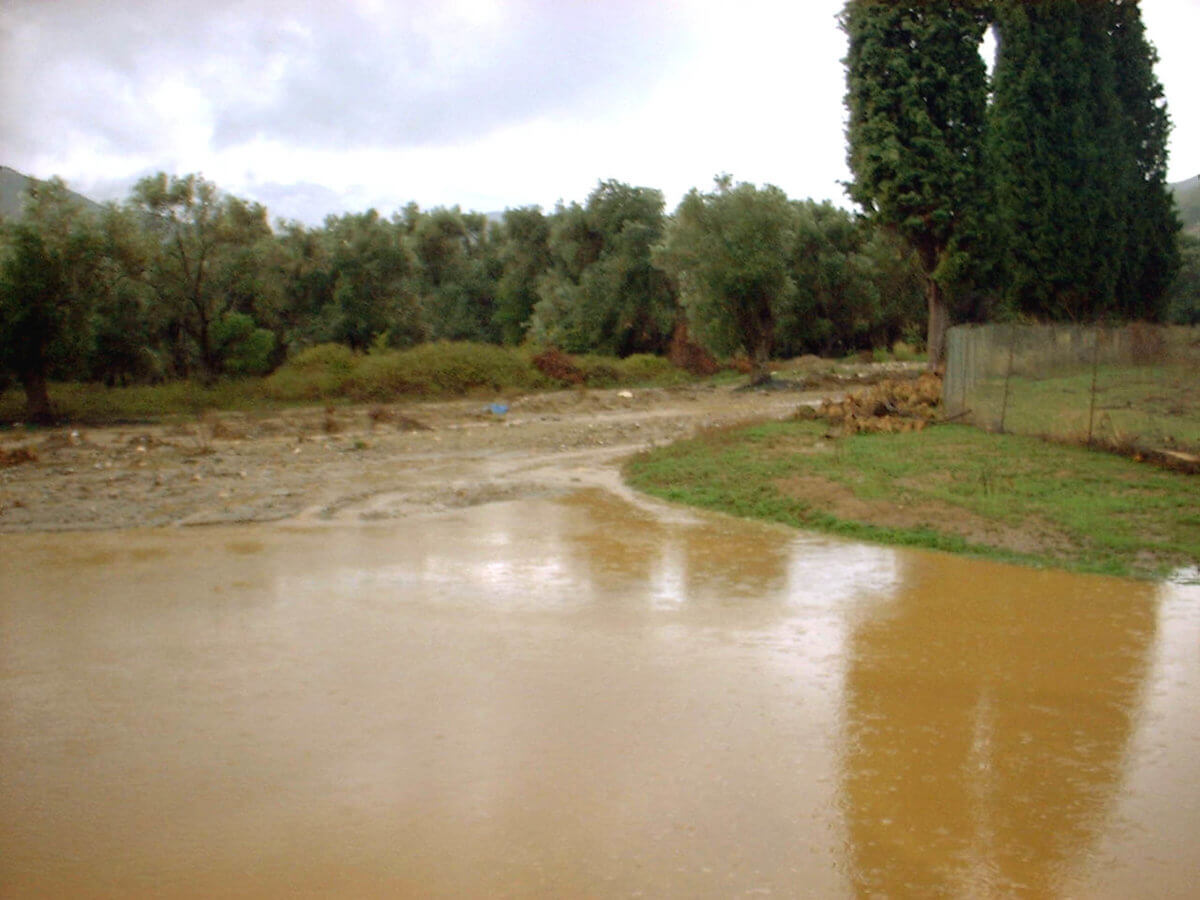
(555, 364)
(599, 371)
(439, 368)
(244, 348)
(315, 373)
(323, 357)
(644, 367)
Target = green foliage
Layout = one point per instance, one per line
(184, 280)
(243, 348)
(333, 358)
(1187, 202)
(315, 373)
(645, 368)
(440, 368)
(1150, 256)
(430, 370)
(202, 262)
(1183, 299)
(1077, 150)
(857, 286)
(372, 274)
(603, 292)
(301, 267)
(730, 251)
(123, 317)
(524, 257)
(917, 98)
(48, 266)
(456, 274)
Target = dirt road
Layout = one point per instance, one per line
(349, 463)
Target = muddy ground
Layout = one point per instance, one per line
(363, 463)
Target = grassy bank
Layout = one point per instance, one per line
(949, 488)
(331, 373)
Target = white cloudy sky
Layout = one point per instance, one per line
(317, 107)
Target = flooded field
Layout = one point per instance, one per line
(584, 694)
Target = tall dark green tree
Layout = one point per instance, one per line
(917, 98)
(1077, 154)
(1152, 252)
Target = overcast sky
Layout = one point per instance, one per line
(318, 107)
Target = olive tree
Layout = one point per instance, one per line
(730, 253)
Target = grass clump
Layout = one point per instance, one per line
(950, 488)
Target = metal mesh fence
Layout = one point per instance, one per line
(1134, 387)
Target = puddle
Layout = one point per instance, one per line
(581, 695)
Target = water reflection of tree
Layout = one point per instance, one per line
(716, 563)
(988, 711)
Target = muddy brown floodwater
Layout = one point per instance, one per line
(556, 688)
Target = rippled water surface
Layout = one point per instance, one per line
(585, 696)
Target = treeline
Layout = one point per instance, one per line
(1040, 192)
(184, 281)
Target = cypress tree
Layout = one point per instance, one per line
(1077, 153)
(1152, 255)
(917, 98)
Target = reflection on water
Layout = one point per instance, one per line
(987, 722)
(584, 697)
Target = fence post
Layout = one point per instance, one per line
(1095, 370)
(1012, 343)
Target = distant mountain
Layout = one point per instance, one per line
(13, 188)
(1187, 198)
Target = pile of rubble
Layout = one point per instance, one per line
(892, 406)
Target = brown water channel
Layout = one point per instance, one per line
(585, 695)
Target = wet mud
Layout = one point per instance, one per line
(574, 691)
(318, 463)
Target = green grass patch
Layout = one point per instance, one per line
(948, 488)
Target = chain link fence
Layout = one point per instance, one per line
(1134, 387)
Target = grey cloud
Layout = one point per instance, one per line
(315, 76)
(351, 87)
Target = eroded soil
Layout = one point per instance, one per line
(350, 462)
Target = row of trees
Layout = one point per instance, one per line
(182, 280)
(1042, 191)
